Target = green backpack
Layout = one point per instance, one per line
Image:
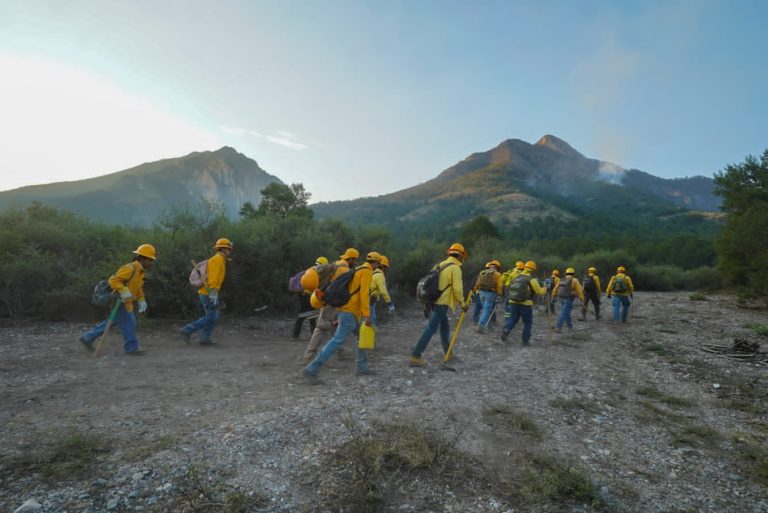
(620, 284)
(520, 288)
(486, 280)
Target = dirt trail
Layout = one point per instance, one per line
(657, 424)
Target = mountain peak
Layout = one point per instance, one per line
(556, 144)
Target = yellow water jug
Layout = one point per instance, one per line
(367, 338)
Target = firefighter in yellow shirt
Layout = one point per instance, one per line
(209, 294)
(379, 289)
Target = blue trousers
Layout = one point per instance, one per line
(566, 305)
(516, 312)
(477, 308)
(207, 322)
(438, 319)
(620, 302)
(124, 320)
(488, 300)
(372, 307)
(348, 325)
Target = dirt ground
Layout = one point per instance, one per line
(655, 415)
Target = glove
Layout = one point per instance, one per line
(142, 306)
(391, 308)
(465, 308)
(125, 294)
(213, 296)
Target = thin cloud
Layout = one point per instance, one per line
(280, 138)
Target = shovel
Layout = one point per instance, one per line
(110, 322)
(444, 365)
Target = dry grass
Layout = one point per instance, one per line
(575, 403)
(202, 490)
(511, 420)
(70, 457)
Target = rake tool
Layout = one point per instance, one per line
(110, 322)
(444, 365)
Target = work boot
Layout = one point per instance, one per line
(308, 357)
(504, 335)
(416, 361)
(138, 352)
(480, 329)
(453, 357)
(185, 335)
(208, 343)
(88, 345)
(312, 379)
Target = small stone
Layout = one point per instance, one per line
(262, 431)
(99, 482)
(734, 477)
(112, 504)
(138, 476)
(151, 500)
(716, 385)
(29, 505)
(167, 486)
(133, 494)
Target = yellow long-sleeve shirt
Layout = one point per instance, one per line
(379, 287)
(536, 288)
(217, 269)
(630, 286)
(510, 275)
(130, 276)
(451, 284)
(360, 289)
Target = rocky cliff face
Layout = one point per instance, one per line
(138, 196)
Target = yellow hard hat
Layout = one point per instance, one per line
(373, 256)
(147, 251)
(384, 261)
(570, 270)
(530, 264)
(555, 272)
(457, 248)
(621, 269)
(487, 265)
(321, 260)
(223, 243)
(519, 265)
(350, 253)
(496, 263)
(592, 270)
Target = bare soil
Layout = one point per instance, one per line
(648, 416)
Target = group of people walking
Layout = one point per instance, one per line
(339, 297)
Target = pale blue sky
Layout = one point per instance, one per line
(360, 98)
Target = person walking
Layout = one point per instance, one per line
(521, 292)
(128, 283)
(489, 285)
(305, 306)
(209, 295)
(623, 291)
(451, 294)
(592, 291)
(350, 315)
(506, 280)
(379, 289)
(477, 308)
(566, 291)
(326, 322)
(551, 283)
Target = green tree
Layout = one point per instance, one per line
(742, 245)
(478, 228)
(281, 200)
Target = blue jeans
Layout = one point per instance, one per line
(517, 311)
(207, 322)
(348, 325)
(622, 302)
(488, 300)
(477, 308)
(124, 320)
(438, 319)
(373, 312)
(566, 305)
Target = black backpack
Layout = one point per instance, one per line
(565, 290)
(589, 284)
(103, 293)
(520, 288)
(428, 289)
(337, 293)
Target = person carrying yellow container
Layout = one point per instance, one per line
(592, 292)
(128, 283)
(379, 289)
(566, 291)
(355, 289)
(449, 294)
(326, 322)
(623, 290)
(489, 285)
(213, 279)
(521, 292)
